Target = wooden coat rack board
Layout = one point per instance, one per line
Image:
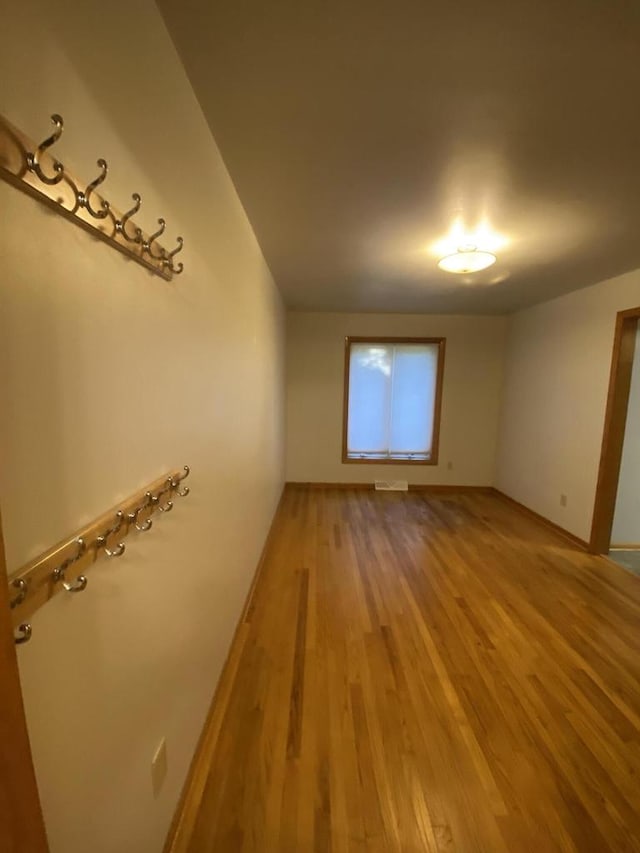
(63, 568)
(32, 169)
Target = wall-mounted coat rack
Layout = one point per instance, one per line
(32, 169)
(64, 567)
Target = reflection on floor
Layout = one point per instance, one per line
(628, 559)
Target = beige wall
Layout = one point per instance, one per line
(557, 376)
(109, 377)
(626, 520)
(470, 402)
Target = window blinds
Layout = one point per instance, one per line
(392, 397)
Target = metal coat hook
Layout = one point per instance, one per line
(184, 492)
(85, 198)
(101, 541)
(21, 585)
(133, 519)
(122, 223)
(181, 492)
(167, 507)
(80, 583)
(33, 159)
(24, 633)
(148, 245)
(168, 260)
(118, 551)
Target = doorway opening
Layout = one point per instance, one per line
(616, 517)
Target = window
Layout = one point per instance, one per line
(392, 392)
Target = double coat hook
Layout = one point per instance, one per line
(85, 197)
(121, 224)
(24, 630)
(132, 518)
(174, 485)
(59, 574)
(102, 540)
(23, 633)
(33, 159)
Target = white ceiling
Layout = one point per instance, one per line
(356, 132)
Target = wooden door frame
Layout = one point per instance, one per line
(21, 822)
(624, 344)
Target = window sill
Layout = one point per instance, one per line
(386, 460)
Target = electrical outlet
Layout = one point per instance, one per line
(563, 500)
(159, 767)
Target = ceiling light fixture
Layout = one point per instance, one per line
(466, 260)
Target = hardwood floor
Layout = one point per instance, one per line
(425, 672)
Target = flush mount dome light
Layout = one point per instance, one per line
(467, 259)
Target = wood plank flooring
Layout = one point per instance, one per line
(425, 672)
